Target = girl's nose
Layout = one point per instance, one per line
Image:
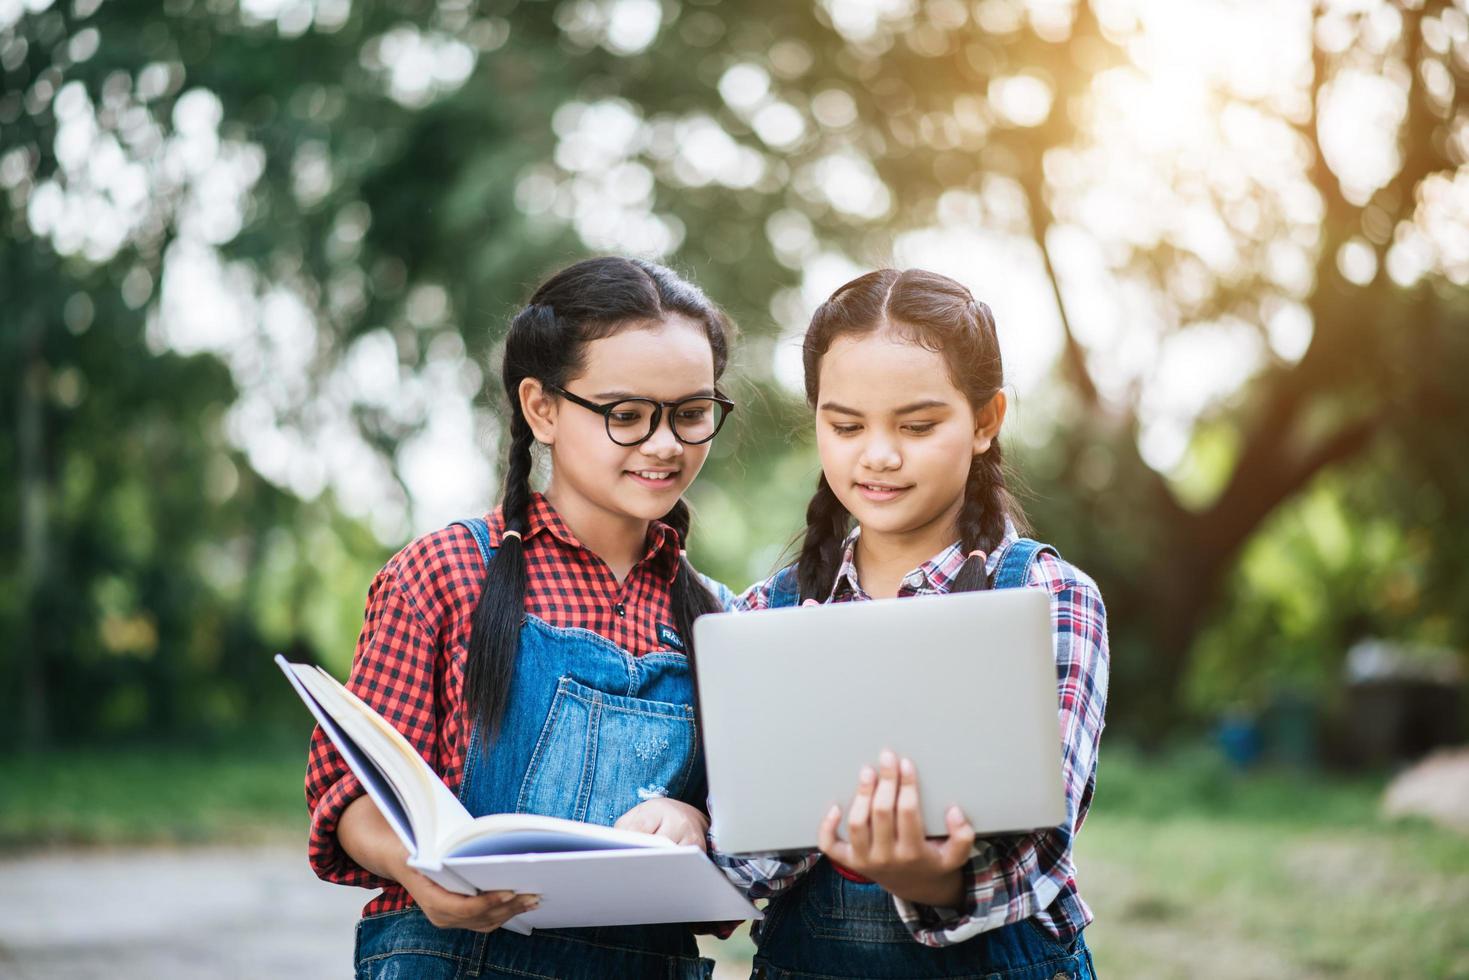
(661, 444)
(881, 454)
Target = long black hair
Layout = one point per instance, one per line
(547, 341)
(943, 316)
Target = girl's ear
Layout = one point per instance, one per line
(539, 409)
(987, 422)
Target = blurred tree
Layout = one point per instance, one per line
(367, 178)
(835, 126)
(137, 142)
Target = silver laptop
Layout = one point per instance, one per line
(795, 701)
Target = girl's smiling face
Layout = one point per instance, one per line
(663, 360)
(895, 436)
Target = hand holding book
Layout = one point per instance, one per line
(416, 832)
(370, 841)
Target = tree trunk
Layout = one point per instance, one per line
(34, 710)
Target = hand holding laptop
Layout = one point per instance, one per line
(886, 841)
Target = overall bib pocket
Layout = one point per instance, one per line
(599, 755)
(848, 911)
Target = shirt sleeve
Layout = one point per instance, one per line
(756, 596)
(721, 592)
(393, 671)
(763, 877)
(1011, 878)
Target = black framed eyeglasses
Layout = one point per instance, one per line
(632, 421)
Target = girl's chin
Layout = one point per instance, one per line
(648, 503)
(881, 519)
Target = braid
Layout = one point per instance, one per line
(826, 527)
(987, 503)
(494, 636)
(691, 598)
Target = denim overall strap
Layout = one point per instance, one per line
(1014, 568)
(785, 589)
(588, 732)
(481, 530)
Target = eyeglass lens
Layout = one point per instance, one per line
(695, 420)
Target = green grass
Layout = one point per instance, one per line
(1193, 870)
(151, 796)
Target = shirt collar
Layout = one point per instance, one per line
(934, 576)
(662, 545)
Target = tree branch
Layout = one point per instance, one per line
(1073, 355)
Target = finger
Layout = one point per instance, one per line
(686, 832)
(955, 850)
(509, 910)
(884, 803)
(859, 814)
(470, 905)
(810, 602)
(638, 819)
(446, 909)
(910, 806)
(828, 842)
(826, 833)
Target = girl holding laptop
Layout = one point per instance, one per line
(904, 373)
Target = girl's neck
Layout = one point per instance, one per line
(884, 557)
(617, 539)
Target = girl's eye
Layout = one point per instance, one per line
(920, 428)
(693, 414)
(845, 430)
(625, 418)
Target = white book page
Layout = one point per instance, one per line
(609, 888)
(449, 813)
(372, 777)
(529, 833)
(409, 775)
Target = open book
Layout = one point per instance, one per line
(586, 875)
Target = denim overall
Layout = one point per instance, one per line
(830, 927)
(590, 732)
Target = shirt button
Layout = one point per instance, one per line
(620, 609)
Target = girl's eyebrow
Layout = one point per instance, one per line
(615, 395)
(917, 406)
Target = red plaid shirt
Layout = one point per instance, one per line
(409, 663)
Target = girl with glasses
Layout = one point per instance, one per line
(538, 657)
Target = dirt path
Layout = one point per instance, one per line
(207, 913)
(201, 913)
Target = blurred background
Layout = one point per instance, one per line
(256, 256)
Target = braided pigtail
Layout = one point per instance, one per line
(495, 631)
(691, 598)
(821, 546)
(982, 518)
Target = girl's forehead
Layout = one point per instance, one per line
(665, 358)
(878, 368)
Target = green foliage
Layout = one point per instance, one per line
(156, 794)
(155, 560)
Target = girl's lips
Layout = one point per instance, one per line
(879, 494)
(666, 483)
